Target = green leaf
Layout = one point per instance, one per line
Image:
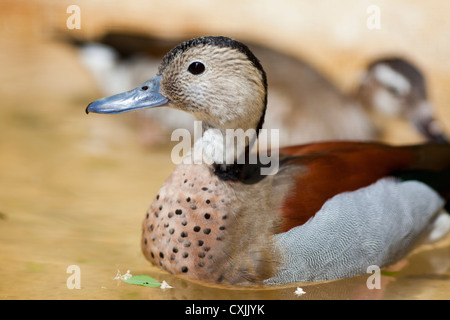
(143, 280)
(389, 273)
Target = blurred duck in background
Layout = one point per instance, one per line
(395, 87)
(305, 104)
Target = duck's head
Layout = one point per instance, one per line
(395, 87)
(217, 79)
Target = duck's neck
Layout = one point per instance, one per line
(225, 150)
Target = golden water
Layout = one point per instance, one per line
(74, 189)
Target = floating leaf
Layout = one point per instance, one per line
(143, 280)
(299, 291)
(165, 285)
(126, 276)
(389, 273)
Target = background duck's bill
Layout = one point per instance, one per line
(145, 96)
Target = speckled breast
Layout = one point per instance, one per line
(186, 227)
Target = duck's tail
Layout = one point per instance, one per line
(432, 167)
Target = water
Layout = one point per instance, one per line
(75, 188)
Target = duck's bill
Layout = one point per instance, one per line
(426, 124)
(145, 96)
(432, 130)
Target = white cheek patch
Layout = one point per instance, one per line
(391, 78)
(385, 103)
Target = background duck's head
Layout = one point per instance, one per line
(217, 79)
(395, 87)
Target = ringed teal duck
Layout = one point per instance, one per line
(395, 87)
(304, 102)
(329, 211)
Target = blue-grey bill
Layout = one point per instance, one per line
(145, 96)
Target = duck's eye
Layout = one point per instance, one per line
(393, 90)
(196, 67)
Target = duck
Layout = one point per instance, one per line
(305, 102)
(395, 87)
(318, 211)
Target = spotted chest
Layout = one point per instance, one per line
(186, 227)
